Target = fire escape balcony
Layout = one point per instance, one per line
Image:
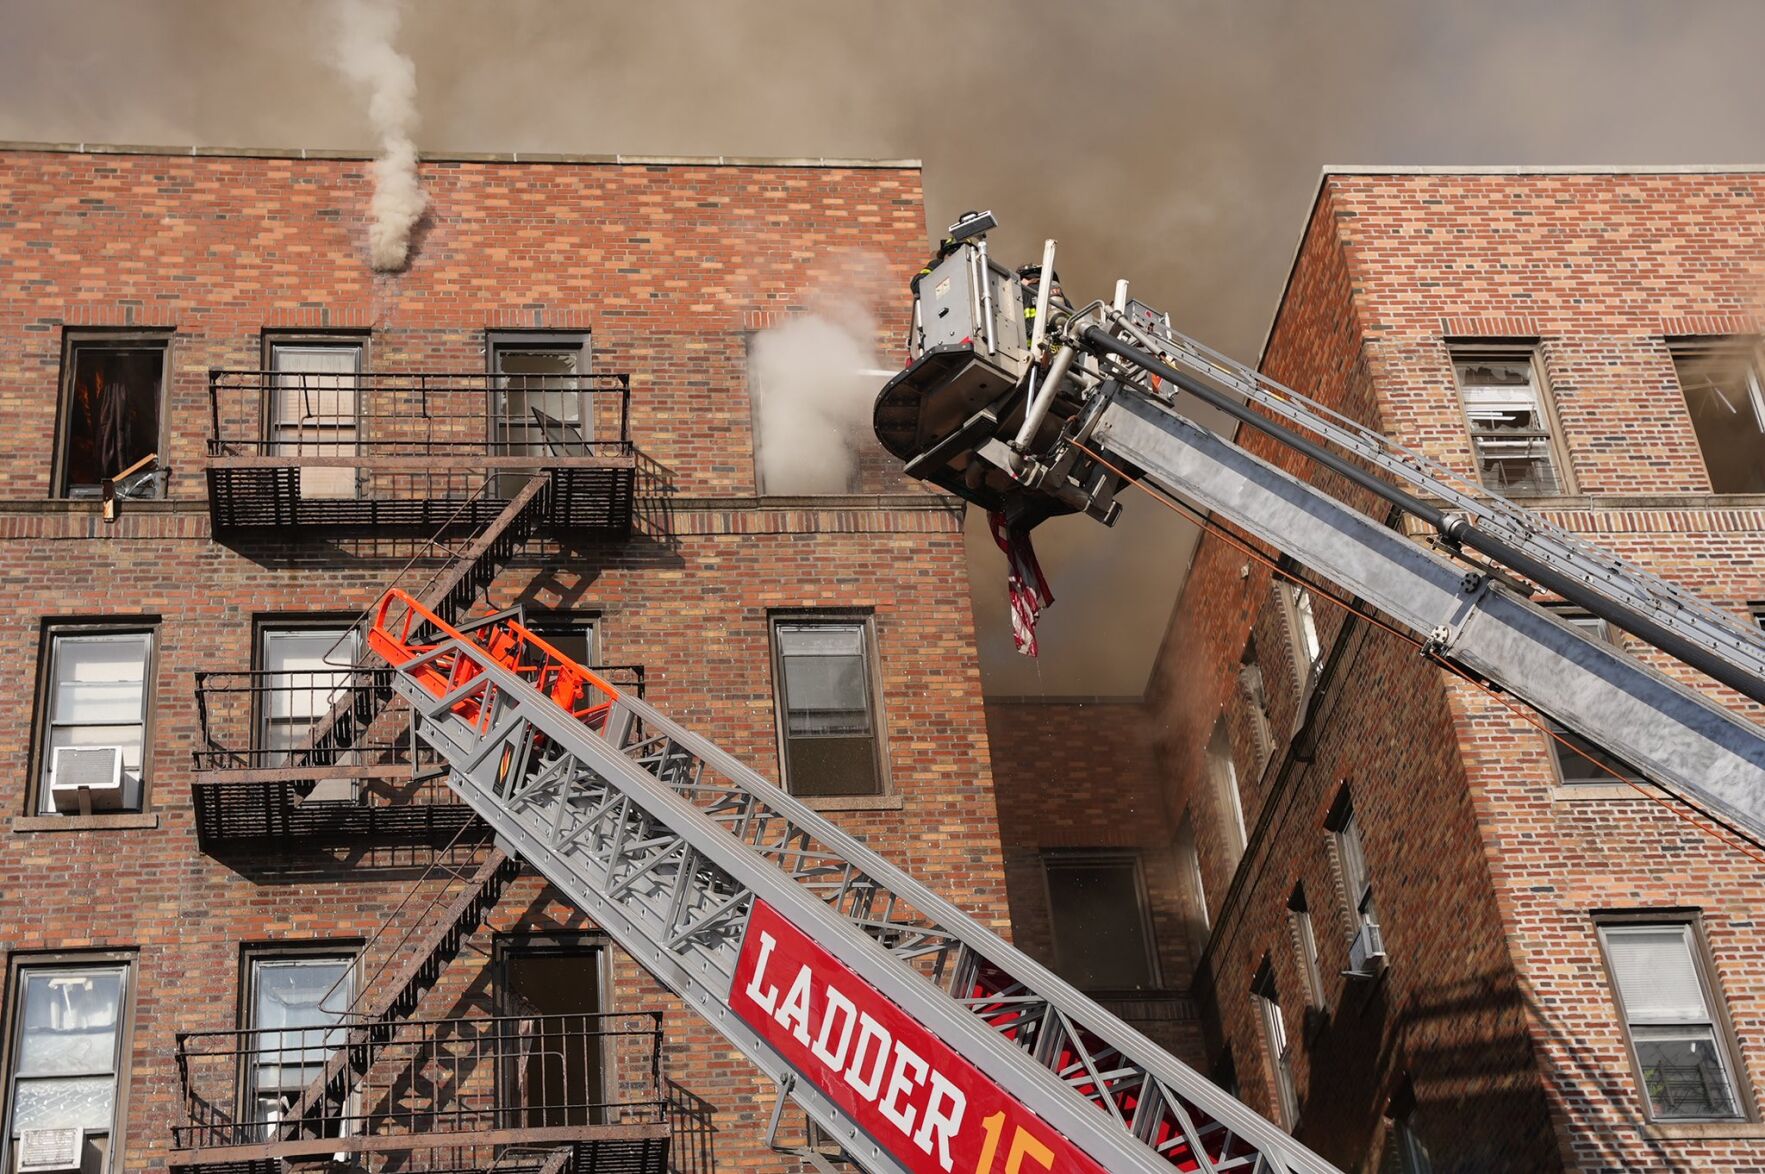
(322, 756)
(563, 1094)
(424, 450)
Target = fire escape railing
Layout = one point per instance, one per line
(339, 419)
(423, 1082)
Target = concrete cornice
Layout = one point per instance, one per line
(533, 157)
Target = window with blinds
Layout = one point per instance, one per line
(1681, 1051)
(314, 411)
(1510, 427)
(307, 670)
(96, 697)
(827, 710)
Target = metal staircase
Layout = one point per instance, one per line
(724, 887)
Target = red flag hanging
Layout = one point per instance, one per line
(1024, 581)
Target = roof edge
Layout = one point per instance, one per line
(463, 156)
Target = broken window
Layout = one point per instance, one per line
(296, 1006)
(540, 404)
(307, 670)
(1680, 1047)
(1577, 759)
(1274, 1033)
(827, 709)
(66, 1052)
(111, 420)
(557, 1078)
(1726, 402)
(1098, 915)
(95, 707)
(1225, 781)
(1510, 424)
(315, 412)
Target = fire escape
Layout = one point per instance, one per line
(324, 758)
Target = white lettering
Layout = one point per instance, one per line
(835, 1058)
(868, 1030)
(936, 1122)
(764, 999)
(900, 1085)
(794, 1015)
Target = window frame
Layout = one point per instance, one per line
(505, 945)
(1583, 621)
(537, 339)
(1306, 666)
(1053, 858)
(1305, 948)
(73, 339)
(1721, 1025)
(1197, 921)
(866, 621)
(1228, 788)
(1273, 1021)
(266, 622)
(12, 1007)
(1688, 346)
(1362, 909)
(1511, 350)
(252, 953)
(41, 725)
(546, 624)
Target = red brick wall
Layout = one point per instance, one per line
(1486, 871)
(667, 265)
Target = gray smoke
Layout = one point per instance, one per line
(367, 57)
(814, 383)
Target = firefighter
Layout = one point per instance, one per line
(1030, 277)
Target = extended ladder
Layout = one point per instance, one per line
(910, 1034)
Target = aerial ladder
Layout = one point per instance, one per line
(911, 1036)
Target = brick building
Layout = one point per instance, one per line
(549, 408)
(1572, 974)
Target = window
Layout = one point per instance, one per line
(540, 405)
(827, 725)
(296, 1004)
(1580, 761)
(307, 670)
(1302, 627)
(1510, 425)
(1097, 912)
(67, 1050)
(1225, 781)
(1305, 948)
(1681, 1053)
(112, 396)
(558, 1078)
(1189, 860)
(1404, 1152)
(1726, 402)
(1274, 1036)
(1253, 691)
(1357, 886)
(574, 636)
(314, 409)
(95, 719)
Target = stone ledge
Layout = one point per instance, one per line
(121, 821)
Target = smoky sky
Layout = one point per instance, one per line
(1177, 144)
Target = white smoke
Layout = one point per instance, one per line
(815, 379)
(366, 56)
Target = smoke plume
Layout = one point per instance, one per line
(366, 56)
(814, 383)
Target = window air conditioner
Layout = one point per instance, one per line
(1366, 953)
(50, 1151)
(86, 778)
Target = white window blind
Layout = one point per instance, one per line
(1683, 1060)
(1656, 974)
(315, 411)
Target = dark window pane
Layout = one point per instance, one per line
(1099, 926)
(112, 413)
(555, 1073)
(830, 735)
(832, 766)
(1683, 1072)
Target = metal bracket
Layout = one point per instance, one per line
(806, 1152)
(1472, 589)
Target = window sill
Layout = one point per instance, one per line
(853, 802)
(119, 821)
(1596, 792)
(1703, 1130)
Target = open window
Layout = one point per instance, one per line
(113, 402)
(539, 404)
(315, 410)
(825, 683)
(65, 1056)
(1508, 412)
(1098, 914)
(1725, 398)
(94, 706)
